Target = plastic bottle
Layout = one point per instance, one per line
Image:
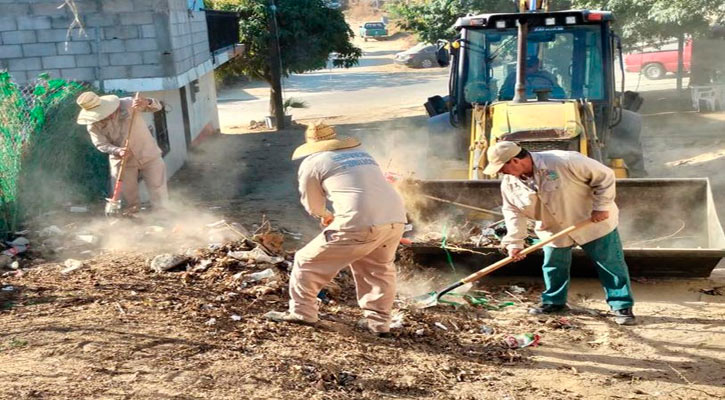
(523, 340)
(258, 276)
(15, 250)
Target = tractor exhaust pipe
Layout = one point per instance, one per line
(520, 88)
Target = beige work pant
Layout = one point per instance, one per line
(369, 253)
(154, 175)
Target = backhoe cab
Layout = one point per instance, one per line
(543, 79)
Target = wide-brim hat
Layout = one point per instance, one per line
(321, 137)
(95, 108)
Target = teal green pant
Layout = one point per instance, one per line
(607, 254)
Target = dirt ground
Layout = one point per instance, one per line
(116, 330)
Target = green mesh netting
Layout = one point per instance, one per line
(46, 158)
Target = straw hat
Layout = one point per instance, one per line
(95, 108)
(322, 137)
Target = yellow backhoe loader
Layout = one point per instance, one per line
(546, 80)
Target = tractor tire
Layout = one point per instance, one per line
(654, 71)
(426, 63)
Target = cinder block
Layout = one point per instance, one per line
(39, 49)
(74, 48)
(197, 27)
(8, 24)
(151, 57)
(15, 9)
(24, 64)
(201, 58)
(92, 60)
(141, 44)
(19, 77)
(51, 35)
(59, 62)
(48, 9)
(18, 37)
(112, 46)
(120, 32)
(201, 48)
(60, 21)
(126, 58)
(119, 72)
(117, 6)
(101, 19)
(32, 23)
(33, 75)
(79, 74)
(137, 18)
(10, 51)
(148, 31)
(146, 71)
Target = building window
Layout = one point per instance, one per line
(162, 131)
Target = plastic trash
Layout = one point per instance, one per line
(516, 289)
(258, 276)
(236, 317)
(90, 239)
(210, 322)
(71, 265)
(256, 255)
(487, 330)
(441, 326)
(79, 209)
(7, 289)
(15, 250)
(19, 241)
(522, 340)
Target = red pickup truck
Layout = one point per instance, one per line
(655, 64)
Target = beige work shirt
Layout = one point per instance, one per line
(109, 135)
(566, 187)
(353, 182)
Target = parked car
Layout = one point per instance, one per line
(422, 55)
(657, 63)
(333, 4)
(375, 30)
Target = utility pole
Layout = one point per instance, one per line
(275, 68)
(680, 66)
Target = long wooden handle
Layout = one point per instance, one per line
(119, 180)
(480, 274)
(501, 263)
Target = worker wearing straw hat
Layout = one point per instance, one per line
(107, 119)
(362, 231)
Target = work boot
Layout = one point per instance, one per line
(624, 316)
(278, 316)
(364, 325)
(548, 309)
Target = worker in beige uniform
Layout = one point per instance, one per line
(557, 189)
(362, 231)
(107, 119)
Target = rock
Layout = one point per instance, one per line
(164, 262)
(71, 265)
(210, 322)
(5, 260)
(15, 265)
(50, 231)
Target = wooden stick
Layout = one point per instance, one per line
(463, 205)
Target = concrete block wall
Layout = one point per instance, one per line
(123, 39)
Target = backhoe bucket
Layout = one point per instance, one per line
(669, 227)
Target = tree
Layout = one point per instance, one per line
(308, 33)
(432, 20)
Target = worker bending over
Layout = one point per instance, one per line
(362, 231)
(558, 189)
(107, 119)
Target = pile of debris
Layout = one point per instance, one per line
(464, 233)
